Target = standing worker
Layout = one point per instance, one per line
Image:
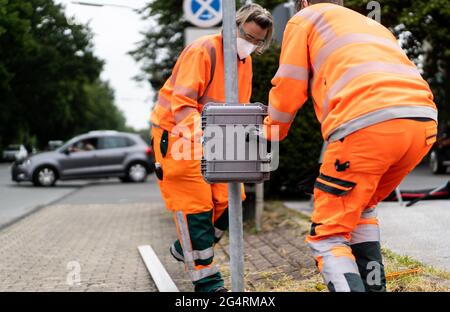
(200, 209)
(377, 115)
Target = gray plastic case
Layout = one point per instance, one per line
(254, 170)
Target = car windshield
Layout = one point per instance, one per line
(84, 145)
(68, 144)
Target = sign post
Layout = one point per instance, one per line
(234, 189)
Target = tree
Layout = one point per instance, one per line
(99, 112)
(159, 49)
(48, 75)
(423, 26)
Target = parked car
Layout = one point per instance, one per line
(97, 154)
(15, 152)
(440, 154)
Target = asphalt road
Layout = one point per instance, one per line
(421, 231)
(18, 200)
(113, 191)
(421, 178)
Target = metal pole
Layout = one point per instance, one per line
(234, 189)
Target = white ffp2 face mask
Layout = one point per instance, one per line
(244, 48)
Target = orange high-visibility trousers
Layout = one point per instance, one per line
(200, 209)
(357, 173)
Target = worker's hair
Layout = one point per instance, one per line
(298, 3)
(256, 13)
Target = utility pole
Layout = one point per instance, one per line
(234, 189)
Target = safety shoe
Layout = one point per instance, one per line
(175, 254)
(220, 289)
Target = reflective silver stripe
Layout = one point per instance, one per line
(317, 19)
(185, 91)
(364, 69)
(163, 102)
(183, 113)
(381, 115)
(197, 254)
(197, 275)
(342, 41)
(293, 72)
(203, 254)
(365, 233)
(212, 54)
(280, 116)
(369, 213)
(176, 253)
(185, 241)
(207, 44)
(218, 233)
(323, 246)
(333, 270)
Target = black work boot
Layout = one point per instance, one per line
(176, 251)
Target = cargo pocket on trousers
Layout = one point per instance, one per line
(431, 134)
(334, 186)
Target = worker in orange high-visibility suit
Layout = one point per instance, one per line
(200, 209)
(377, 116)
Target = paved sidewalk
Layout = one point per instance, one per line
(46, 250)
(96, 231)
(42, 251)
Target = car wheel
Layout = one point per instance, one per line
(45, 176)
(136, 172)
(436, 165)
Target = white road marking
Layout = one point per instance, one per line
(159, 274)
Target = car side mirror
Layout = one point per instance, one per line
(67, 152)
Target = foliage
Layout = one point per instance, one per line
(49, 76)
(423, 27)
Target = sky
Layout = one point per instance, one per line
(116, 31)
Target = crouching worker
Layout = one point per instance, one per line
(200, 209)
(378, 116)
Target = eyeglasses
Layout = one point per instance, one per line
(250, 38)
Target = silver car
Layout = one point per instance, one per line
(97, 154)
(15, 152)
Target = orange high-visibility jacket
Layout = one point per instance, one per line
(198, 78)
(357, 74)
